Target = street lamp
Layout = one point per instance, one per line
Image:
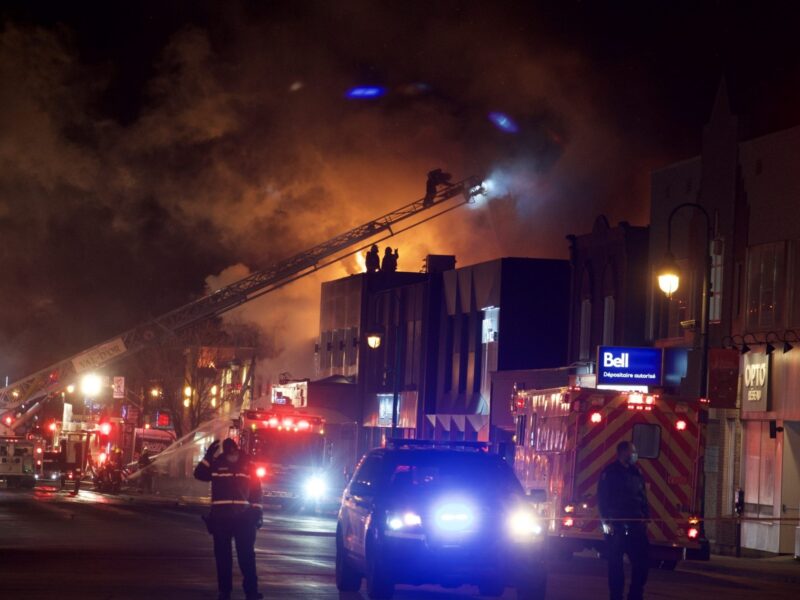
(374, 341)
(669, 280)
(91, 385)
(669, 276)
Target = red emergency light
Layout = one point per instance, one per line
(303, 424)
(105, 428)
(101, 458)
(9, 420)
(52, 426)
(680, 425)
(569, 522)
(261, 472)
(641, 402)
(693, 533)
(596, 417)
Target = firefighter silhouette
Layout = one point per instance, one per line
(436, 177)
(622, 499)
(389, 264)
(373, 260)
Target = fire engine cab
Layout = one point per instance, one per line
(565, 437)
(288, 452)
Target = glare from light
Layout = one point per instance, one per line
(411, 519)
(503, 122)
(693, 533)
(70, 389)
(374, 341)
(261, 472)
(91, 385)
(596, 417)
(315, 487)
(187, 391)
(680, 425)
(668, 283)
(454, 516)
(394, 523)
(214, 390)
(155, 392)
(365, 92)
(522, 523)
(187, 403)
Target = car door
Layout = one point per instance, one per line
(358, 503)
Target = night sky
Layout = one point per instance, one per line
(147, 147)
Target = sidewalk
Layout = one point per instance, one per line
(778, 569)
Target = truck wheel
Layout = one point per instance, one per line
(534, 588)
(379, 584)
(347, 578)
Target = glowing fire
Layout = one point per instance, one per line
(361, 261)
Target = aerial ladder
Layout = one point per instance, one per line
(20, 400)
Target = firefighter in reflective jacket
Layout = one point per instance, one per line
(621, 495)
(235, 514)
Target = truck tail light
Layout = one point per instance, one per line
(568, 522)
(261, 472)
(680, 425)
(693, 533)
(596, 417)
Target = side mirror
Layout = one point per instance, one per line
(537, 495)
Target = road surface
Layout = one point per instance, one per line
(101, 547)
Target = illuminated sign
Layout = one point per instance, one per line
(755, 381)
(617, 365)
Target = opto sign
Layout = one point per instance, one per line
(755, 378)
(617, 365)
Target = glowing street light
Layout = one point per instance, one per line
(71, 388)
(91, 385)
(155, 392)
(187, 391)
(669, 276)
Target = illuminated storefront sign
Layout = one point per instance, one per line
(755, 382)
(618, 365)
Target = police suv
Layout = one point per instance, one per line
(419, 512)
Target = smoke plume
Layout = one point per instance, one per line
(240, 149)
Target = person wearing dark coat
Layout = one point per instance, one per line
(389, 264)
(236, 514)
(373, 260)
(622, 500)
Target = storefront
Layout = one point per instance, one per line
(770, 402)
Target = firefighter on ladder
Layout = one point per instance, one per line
(621, 495)
(235, 515)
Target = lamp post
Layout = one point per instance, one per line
(669, 281)
(374, 341)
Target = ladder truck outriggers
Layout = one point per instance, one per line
(21, 400)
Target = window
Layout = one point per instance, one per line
(647, 439)
(369, 473)
(765, 286)
(586, 330)
(608, 320)
(715, 300)
(521, 421)
(759, 469)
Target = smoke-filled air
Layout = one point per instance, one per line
(235, 151)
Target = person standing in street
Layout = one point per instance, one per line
(236, 514)
(622, 500)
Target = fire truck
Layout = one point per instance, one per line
(20, 461)
(565, 437)
(293, 456)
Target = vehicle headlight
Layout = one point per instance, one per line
(397, 521)
(523, 524)
(315, 487)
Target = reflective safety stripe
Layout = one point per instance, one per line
(230, 502)
(222, 474)
(257, 506)
(243, 475)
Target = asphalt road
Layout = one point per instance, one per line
(105, 548)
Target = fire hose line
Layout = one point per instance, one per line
(692, 521)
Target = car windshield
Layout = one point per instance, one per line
(287, 448)
(423, 471)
